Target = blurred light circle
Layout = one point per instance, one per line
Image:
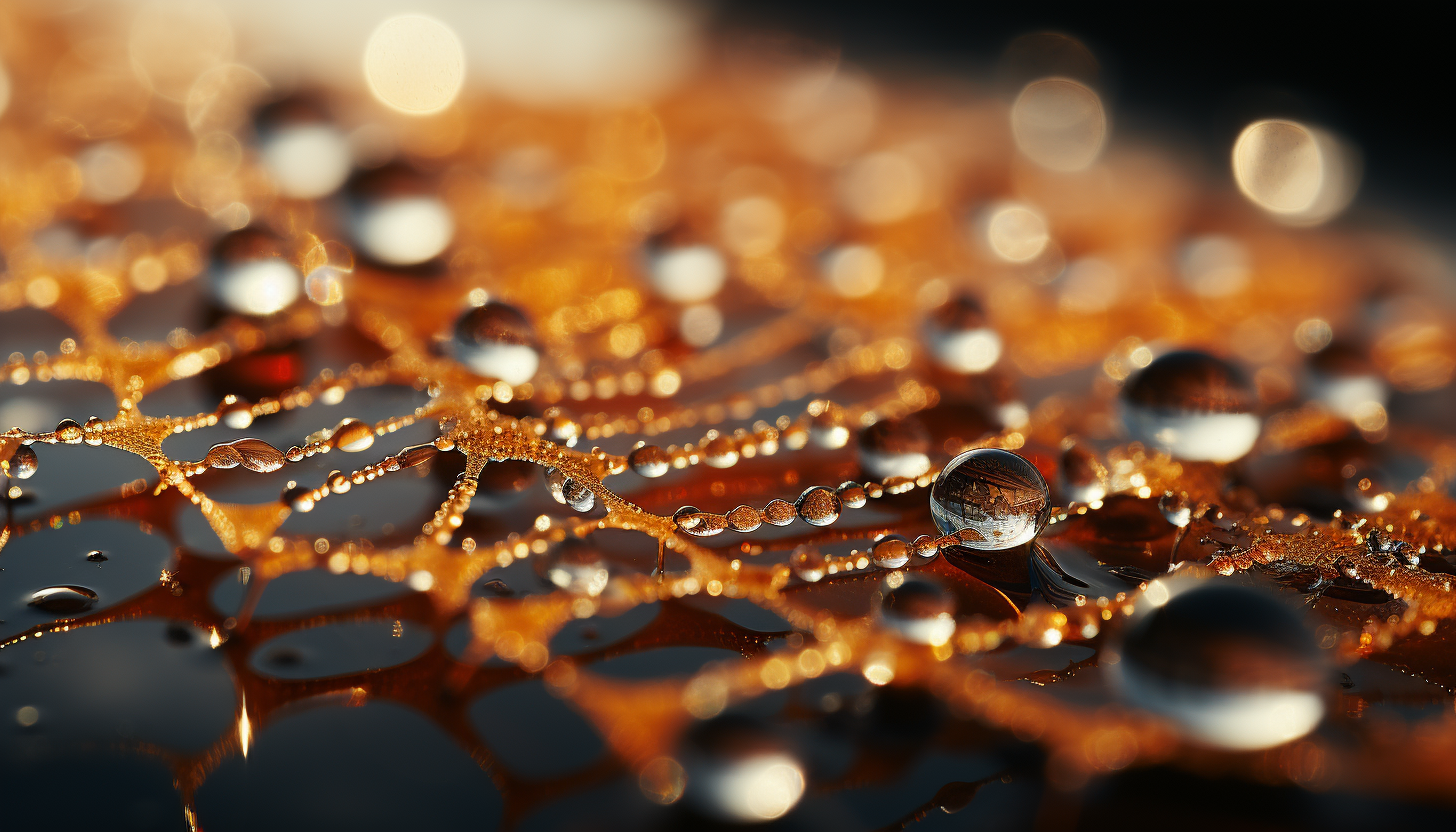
(1301, 174)
(1059, 124)
(307, 161)
(110, 172)
(1016, 233)
(414, 64)
(882, 187)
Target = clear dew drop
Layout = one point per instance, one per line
(1176, 509)
(576, 566)
(69, 432)
(414, 455)
(396, 218)
(250, 273)
(744, 519)
(496, 340)
(1192, 406)
(818, 506)
(563, 431)
(352, 436)
(891, 551)
(1231, 666)
(699, 523)
(808, 563)
(993, 498)
(895, 448)
(65, 599)
(97, 556)
(779, 513)
(297, 497)
(92, 430)
(23, 463)
(918, 609)
(827, 430)
(568, 491)
(687, 274)
(649, 461)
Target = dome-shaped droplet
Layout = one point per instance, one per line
(396, 217)
(258, 455)
(69, 432)
(97, 556)
(305, 153)
(65, 600)
(1083, 477)
(299, 498)
(960, 338)
(852, 495)
(649, 461)
(237, 414)
(23, 463)
(250, 273)
(918, 609)
(575, 566)
(808, 562)
(699, 523)
(1344, 379)
(740, 771)
(891, 551)
(1232, 666)
(827, 429)
(720, 452)
(568, 491)
(352, 435)
(779, 513)
(744, 519)
(895, 448)
(496, 340)
(994, 498)
(1192, 406)
(92, 429)
(687, 274)
(818, 506)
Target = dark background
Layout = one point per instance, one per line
(1382, 74)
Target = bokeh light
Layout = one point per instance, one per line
(1059, 124)
(414, 64)
(1302, 175)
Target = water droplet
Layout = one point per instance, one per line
(96, 556)
(919, 610)
(564, 431)
(699, 523)
(1230, 665)
(568, 491)
(237, 415)
(779, 513)
(1345, 380)
(63, 599)
(352, 435)
(891, 551)
(744, 519)
(720, 452)
(895, 448)
(250, 273)
(808, 562)
(23, 463)
(258, 455)
(649, 461)
(396, 218)
(852, 495)
(92, 430)
(305, 153)
(741, 771)
(961, 339)
(994, 498)
(69, 432)
(1176, 508)
(1192, 406)
(416, 455)
(687, 274)
(496, 340)
(827, 430)
(818, 506)
(575, 566)
(298, 497)
(1083, 476)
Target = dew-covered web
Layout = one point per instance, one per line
(707, 359)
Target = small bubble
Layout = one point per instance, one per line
(96, 556)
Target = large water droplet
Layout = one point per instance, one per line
(741, 771)
(568, 491)
(1083, 476)
(352, 435)
(497, 341)
(69, 432)
(649, 461)
(895, 448)
(575, 566)
(918, 609)
(994, 498)
(23, 463)
(1230, 665)
(250, 273)
(1192, 406)
(305, 153)
(65, 600)
(961, 339)
(891, 551)
(1344, 379)
(396, 218)
(818, 506)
